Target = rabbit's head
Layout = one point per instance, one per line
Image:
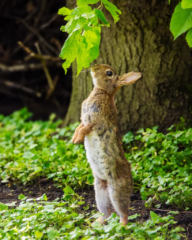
(105, 78)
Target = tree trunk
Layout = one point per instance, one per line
(141, 41)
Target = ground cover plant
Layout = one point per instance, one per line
(161, 167)
(39, 219)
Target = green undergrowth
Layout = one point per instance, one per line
(161, 163)
(40, 219)
(29, 150)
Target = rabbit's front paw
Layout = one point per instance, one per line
(74, 138)
(78, 140)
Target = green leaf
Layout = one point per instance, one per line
(38, 234)
(83, 2)
(101, 16)
(189, 38)
(52, 233)
(82, 58)
(112, 9)
(43, 197)
(186, 4)
(154, 216)
(70, 49)
(68, 190)
(21, 197)
(181, 21)
(83, 11)
(64, 11)
(134, 216)
(62, 28)
(75, 24)
(89, 49)
(3, 207)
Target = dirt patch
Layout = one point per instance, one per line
(9, 193)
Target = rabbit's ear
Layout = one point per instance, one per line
(129, 78)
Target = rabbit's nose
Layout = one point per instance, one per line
(141, 74)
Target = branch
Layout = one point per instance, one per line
(35, 32)
(50, 91)
(47, 74)
(18, 86)
(25, 67)
(38, 56)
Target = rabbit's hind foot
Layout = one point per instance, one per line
(124, 220)
(101, 220)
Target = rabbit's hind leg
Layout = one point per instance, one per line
(102, 199)
(120, 193)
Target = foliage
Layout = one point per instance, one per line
(39, 219)
(29, 150)
(181, 21)
(161, 164)
(84, 27)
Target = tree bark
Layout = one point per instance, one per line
(141, 41)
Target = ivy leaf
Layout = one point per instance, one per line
(83, 2)
(43, 197)
(64, 11)
(101, 16)
(22, 197)
(38, 234)
(181, 21)
(52, 233)
(112, 9)
(3, 207)
(154, 216)
(189, 38)
(186, 4)
(68, 190)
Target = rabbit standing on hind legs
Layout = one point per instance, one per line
(100, 133)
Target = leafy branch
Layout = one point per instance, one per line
(84, 28)
(181, 21)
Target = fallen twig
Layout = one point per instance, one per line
(162, 210)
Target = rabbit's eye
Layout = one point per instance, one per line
(109, 73)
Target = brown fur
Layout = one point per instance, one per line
(99, 115)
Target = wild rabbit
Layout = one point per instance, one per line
(100, 133)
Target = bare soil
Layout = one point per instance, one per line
(10, 192)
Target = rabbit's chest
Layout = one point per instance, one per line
(100, 155)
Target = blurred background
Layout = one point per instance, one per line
(23, 81)
(31, 73)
